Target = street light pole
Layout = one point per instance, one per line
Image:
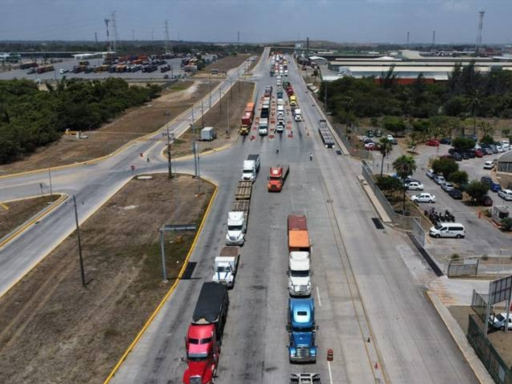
(162, 249)
(210, 91)
(169, 163)
(50, 178)
(220, 101)
(202, 113)
(82, 272)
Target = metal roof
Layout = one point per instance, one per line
(506, 157)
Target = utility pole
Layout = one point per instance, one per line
(96, 40)
(166, 36)
(434, 38)
(238, 37)
(480, 29)
(109, 48)
(408, 37)
(194, 150)
(227, 114)
(169, 164)
(210, 91)
(220, 101)
(114, 27)
(202, 114)
(162, 249)
(50, 179)
(193, 120)
(82, 272)
(133, 35)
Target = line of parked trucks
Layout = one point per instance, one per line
(204, 336)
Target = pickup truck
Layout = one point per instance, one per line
(226, 266)
(263, 127)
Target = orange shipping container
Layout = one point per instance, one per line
(298, 241)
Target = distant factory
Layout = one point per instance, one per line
(406, 64)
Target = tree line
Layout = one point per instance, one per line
(468, 93)
(31, 118)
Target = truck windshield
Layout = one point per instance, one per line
(200, 341)
(222, 268)
(275, 178)
(299, 273)
(234, 227)
(197, 356)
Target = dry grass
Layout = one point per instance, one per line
(238, 97)
(133, 124)
(224, 64)
(19, 212)
(52, 330)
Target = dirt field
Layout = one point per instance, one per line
(52, 330)
(132, 124)
(224, 64)
(239, 95)
(20, 211)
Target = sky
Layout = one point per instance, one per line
(352, 21)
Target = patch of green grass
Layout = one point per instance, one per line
(181, 86)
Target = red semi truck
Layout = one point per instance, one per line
(277, 177)
(204, 334)
(247, 118)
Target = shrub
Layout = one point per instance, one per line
(506, 224)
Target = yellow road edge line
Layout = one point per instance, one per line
(39, 216)
(4, 206)
(168, 294)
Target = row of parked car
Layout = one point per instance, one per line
(371, 145)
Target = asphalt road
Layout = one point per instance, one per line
(371, 310)
(370, 307)
(92, 184)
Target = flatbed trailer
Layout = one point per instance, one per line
(241, 206)
(243, 190)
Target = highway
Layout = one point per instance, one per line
(92, 184)
(371, 308)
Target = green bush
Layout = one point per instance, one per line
(458, 177)
(506, 224)
(445, 166)
(388, 183)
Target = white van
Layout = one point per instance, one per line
(448, 230)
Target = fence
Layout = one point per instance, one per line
(465, 267)
(361, 153)
(479, 304)
(491, 359)
(368, 176)
(418, 231)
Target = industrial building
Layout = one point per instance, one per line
(407, 65)
(504, 170)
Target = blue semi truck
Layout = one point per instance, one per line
(302, 329)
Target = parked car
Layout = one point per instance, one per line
(456, 230)
(505, 194)
(367, 140)
(486, 180)
(471, 153)
(447, 187)
(493, 148)
(455, 194)
(371, 146)
(432, 143)
(479, 153)
(438, 179)
(392, 139)
(486, 201)
(445, 140)
(430, 173)
(424, 198)
(415, 186)
(378, 133)
(487, 151)
(369, 133)
(498, 321)
(465, 155)
(495, 187)
(489, 164)
(456, 156)
(500, 149)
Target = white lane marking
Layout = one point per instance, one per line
(318, 294)
(330, 373)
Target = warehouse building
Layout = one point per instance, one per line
(504, 170)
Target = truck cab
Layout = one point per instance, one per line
(277, 176)
(202, 354)
(302, 330)
(226, 266)
(251, 167)
(237, 225)
(299, 274)
(263, 127)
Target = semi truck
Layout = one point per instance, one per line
(268, 91)
(45, 68)
(247, 118)
(298, 236)
(251, 167)
(204, 334)
(263, 126)
(278, 175)
(302, 330)
(299, 274)
(237, 226)
(226, 266)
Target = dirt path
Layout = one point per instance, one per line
(223, 65)
(14, 214)
(135, 123)
(52, 330)
(240, 94)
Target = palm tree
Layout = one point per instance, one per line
(474, 100)
(404, 166)
(386, 146)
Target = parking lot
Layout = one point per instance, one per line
(482, 237)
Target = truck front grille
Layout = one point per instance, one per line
(303, 353)
(196, 380)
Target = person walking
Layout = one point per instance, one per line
(310, 156)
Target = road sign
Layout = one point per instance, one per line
(179, 227)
